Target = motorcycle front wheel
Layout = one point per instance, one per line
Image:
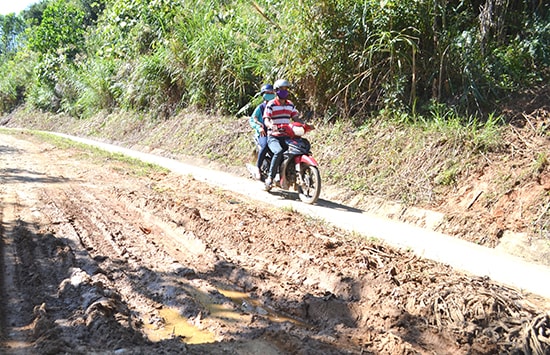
(310, 188)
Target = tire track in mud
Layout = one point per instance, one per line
(12, 326)
(47, 273)
(131, 264)
(146, 277)
(235, 265)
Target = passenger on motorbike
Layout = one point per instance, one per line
(278, 114)
(257, 123)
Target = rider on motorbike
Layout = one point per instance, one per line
(257, 123)
(278, 114)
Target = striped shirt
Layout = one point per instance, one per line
(280, 115)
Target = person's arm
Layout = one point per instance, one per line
(295, 114)
(255, 120)
(267, 116)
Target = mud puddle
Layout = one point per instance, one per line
(173, 325)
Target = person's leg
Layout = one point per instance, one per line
(262, 141)
(284, 148)
(275, 147)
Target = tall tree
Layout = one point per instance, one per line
(11, 27)
(61, 30)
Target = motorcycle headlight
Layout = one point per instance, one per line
(299, 131)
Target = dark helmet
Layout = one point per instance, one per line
(266, 88)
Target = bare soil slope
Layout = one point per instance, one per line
(98, 259)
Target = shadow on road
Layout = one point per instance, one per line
(321, 202)
(337, 206)
(21, 175)
(4, 149)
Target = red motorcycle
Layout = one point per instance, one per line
(299, 171)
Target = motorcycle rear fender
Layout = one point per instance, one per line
(308, 159)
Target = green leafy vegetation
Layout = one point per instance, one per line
(349, 59)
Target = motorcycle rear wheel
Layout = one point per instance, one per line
(310, 188)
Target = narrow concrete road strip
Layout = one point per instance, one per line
(457, 253)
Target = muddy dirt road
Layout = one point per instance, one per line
(99, 256)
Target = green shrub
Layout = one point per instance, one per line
(347, 58)
(14, 82)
